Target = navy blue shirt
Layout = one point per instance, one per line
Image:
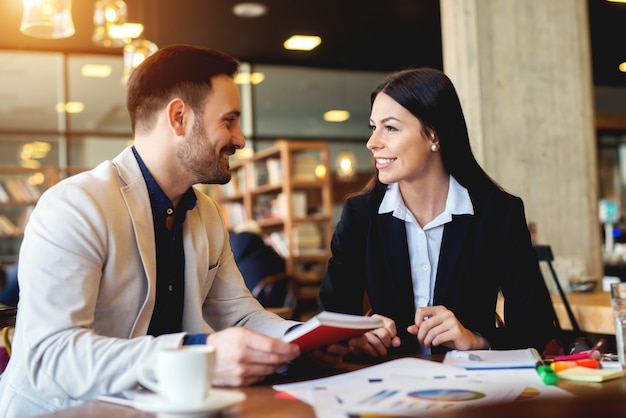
(170, 255)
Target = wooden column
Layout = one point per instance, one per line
(523, 72)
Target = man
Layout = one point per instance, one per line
(127, 259)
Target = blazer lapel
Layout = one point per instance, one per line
(395, 249)
(135, 195)
(454, 235)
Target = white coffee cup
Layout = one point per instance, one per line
(181, 375)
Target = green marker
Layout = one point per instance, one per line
(547, 375)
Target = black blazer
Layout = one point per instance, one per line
(480, 254)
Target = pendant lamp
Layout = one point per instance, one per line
(135, 52)
(109, 16)
(47, 19)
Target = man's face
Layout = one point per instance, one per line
(215, 134)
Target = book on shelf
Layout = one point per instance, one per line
(330, 327)
(7, 227)
(234, 213)
(4, 195)
(303, 167)
(20, 190)
(298, 205)
(265, 207)
(278, 242)
(274, 171)
(259, 174)
(306, 236)
(236, 185)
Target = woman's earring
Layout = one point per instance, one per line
(433, 147)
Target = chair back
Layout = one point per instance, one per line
(7, 316)
(278, 292)
(7, 323)
(544, 254)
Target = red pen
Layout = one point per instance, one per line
(575, 356)
(581, 355)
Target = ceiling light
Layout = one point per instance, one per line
(48, 19)
(302, 42)
(32, 164)
(70, 107)
(96, 71)
(346, 165)
(126, 31)
(108, 13)
(336, 116)
(249, 78)
(622, 66)
(135, 53)
(249, 9)
(320, 171)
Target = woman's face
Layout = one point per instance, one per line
(401, 150)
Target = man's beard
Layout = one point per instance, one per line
(206, 167)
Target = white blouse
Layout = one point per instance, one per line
(425, 243)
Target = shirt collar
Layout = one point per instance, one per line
(458, 202)
(162, 206)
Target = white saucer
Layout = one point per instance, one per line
(217, 400)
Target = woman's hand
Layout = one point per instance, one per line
(330, 355)
(377, 341)
(437, 325)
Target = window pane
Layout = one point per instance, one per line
(30, 151)
(87, 152)
(103, 95)
(30, 90)
(291, 102)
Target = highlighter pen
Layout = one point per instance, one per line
(547, 374)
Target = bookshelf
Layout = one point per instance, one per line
(20, 188)
(286, 189)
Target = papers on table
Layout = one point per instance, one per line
(493, 359)
(411, 386)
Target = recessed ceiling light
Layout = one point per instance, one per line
(70, 107)
(302, 42)
(336, 116)
(96, 70)
(249, 9)
(249, 78)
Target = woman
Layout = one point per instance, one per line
(432, 239)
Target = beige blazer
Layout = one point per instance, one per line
(87, 274)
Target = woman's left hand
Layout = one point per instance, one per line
(377, 341)
(330, 355)
(437, 325)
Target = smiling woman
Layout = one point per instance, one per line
(433, 239)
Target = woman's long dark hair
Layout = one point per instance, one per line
(431, 97)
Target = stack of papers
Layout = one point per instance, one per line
(416, 387)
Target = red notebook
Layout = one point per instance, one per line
(330, 327)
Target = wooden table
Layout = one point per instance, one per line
(592, 312)
(261, 401)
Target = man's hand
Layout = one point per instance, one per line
(437, 325)
(245, 357)
(377, 341)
